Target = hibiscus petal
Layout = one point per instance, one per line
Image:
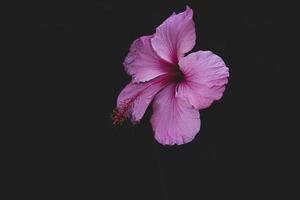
(174, 120)
(142, 63)
(175, 36)
(205, 77)
(136, 97)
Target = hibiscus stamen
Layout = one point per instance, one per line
(118, 117)
(121, 113)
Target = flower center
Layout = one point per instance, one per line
(178, 75)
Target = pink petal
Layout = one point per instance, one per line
(174, 120)
(175, 36)
(136, 97)
(205, 77)
(142, 63)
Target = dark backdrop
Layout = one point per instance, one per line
(81, 47)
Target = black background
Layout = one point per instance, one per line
(78, 152)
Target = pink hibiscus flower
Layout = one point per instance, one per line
(178, 85)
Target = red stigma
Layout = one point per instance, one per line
(117, 117)
(120, 114)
